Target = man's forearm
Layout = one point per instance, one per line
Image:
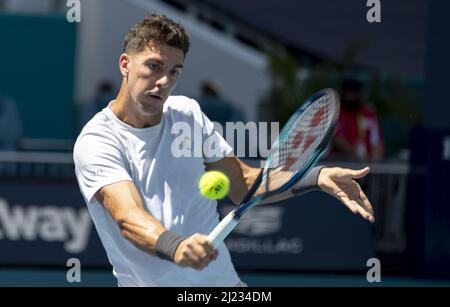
(149, 235)
(124, 203)
(141, 229)
(243, 176)
(307, 184)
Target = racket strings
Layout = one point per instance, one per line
(298, 142)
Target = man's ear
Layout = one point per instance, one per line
(124, 61)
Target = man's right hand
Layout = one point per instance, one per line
(196, 252)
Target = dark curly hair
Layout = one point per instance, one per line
(156, 29)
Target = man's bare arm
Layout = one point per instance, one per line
(124, 203)
(242, 177)
(336, 181)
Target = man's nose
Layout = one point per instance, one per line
(163, 81)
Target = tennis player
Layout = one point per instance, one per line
(142, 197)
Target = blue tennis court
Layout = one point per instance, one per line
(101, 278)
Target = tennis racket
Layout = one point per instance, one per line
(297, 149)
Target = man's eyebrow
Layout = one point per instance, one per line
(154, 60)
(162, 63)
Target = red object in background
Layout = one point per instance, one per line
(360, 129)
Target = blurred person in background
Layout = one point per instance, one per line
(10, 125)
(358, 135)
(104, 94)
(215, 106)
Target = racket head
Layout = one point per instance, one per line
(299, 146)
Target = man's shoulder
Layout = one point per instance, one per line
(96, 123)
(183, 104)
(96, 129)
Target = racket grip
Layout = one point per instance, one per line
(223, 229)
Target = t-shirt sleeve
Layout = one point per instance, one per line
(215, 147)
(98, 162)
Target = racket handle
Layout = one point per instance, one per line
(223, 229)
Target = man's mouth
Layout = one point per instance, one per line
(153, 95)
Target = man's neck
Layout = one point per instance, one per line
(123, 109)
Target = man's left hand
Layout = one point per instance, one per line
(341, 183)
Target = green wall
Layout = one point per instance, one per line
(37, 55)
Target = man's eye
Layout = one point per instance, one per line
(176, 73)
(153, 66)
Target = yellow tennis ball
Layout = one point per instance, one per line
(214, 185)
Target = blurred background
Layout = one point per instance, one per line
(253, 60)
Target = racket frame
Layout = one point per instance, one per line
(230, 221)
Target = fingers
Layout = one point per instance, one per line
(215, 255)
(367, 206)
(357, 207)
(364, 212)
(356, 201)
(349, 204)
(360, 173)
(364, 203)
(341, 184)
(363, 206)
(196, 252)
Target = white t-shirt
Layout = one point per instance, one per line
(156, 160)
